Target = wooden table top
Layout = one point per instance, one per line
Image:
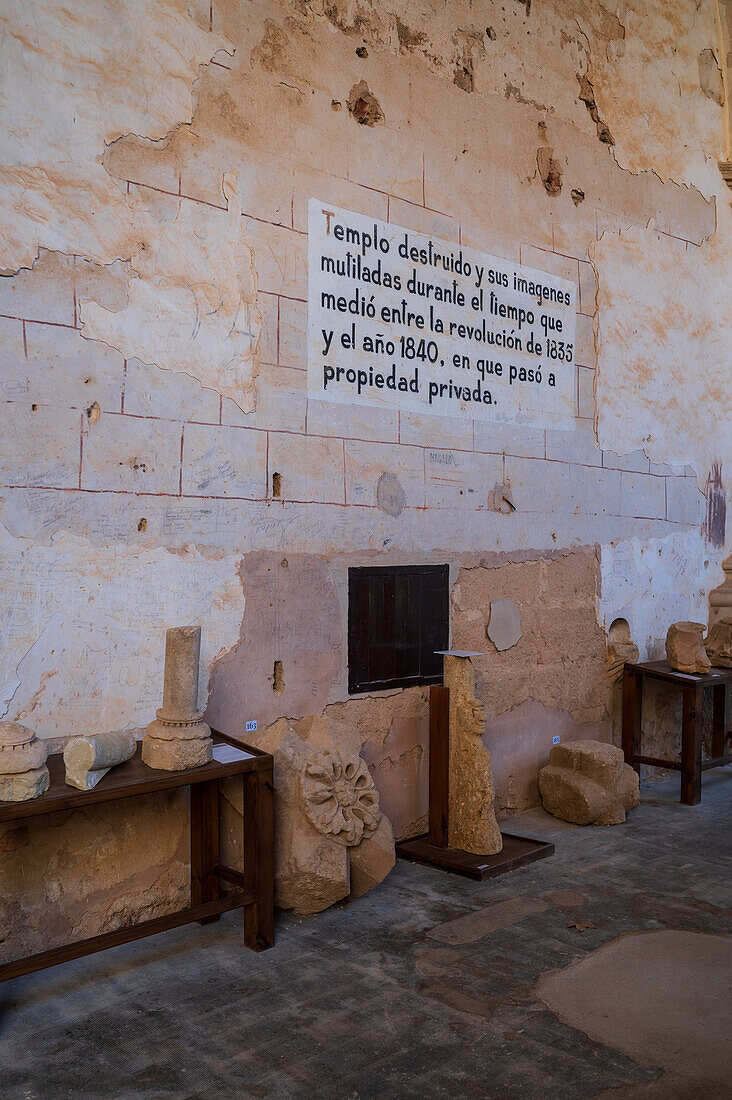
(661, 670)
(134, 778)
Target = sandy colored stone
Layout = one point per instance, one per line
(88, 759)
(175, 755)
(718, 644)
(178, 737)
(685, 647)
(22, 786)
(20, 749)
(720, 598)
(472, 819)
(588, 783)
(372, 860)
(504, 625)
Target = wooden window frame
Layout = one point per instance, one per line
(425, 622)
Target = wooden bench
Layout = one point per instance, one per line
(255, 886)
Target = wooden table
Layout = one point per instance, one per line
(693, 686)
(255, 886)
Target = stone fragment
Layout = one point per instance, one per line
(718, 643)
(178, 737)
(720, 599)
(23, 771)
(472, 819)
(88, 759)
(685, 648)
(620, 650)
(504, 624)
(372, 860)
(340, 797)
(588, 783)
(23, 786)
(327, 816)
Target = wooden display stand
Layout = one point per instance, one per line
(432, 847)
(693, 686)
(255, 886)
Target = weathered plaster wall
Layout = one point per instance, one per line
(157, 159)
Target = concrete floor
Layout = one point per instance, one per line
(431, 986)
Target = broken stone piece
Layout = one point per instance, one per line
(685, 648)
(372, 860)
(504, 624)
(88, 759)
(331, 840)
(718, 644)
(588, 783)
(720, 599)
(23, 786)
(23, 771)
(472, 819)
(178, 737)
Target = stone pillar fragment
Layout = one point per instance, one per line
(720, 599)
(23, 771)
(88, 759)
(179, 738)
(472, 820)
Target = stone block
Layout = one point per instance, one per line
(366, 463)
(585, 393)
(509, 439)
(421, 220)
(460, 479)
(15, 382)
(150, 391)
(685, 503)
(685, 647)
(588, 288)
(22, 786)
(588, 783)
(178, 754)
(293, 333)
(269, 308)
(578, 446)
(63, 368)
(642, 496)
(280, 258)
(39, 445)
(585, 353)
(311, 469)
(224, 462)
(718, 644)
(363, 422)
(132, 455)
(566, 267)
(426, 430)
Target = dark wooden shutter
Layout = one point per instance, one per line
(397, 617)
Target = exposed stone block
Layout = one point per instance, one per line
(39, 445)
(139, 456)
(224, 462)
(588, 783)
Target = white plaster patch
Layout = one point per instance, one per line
(74, 78)
(504, 625)
(656, 582)
(663, 344)
(191, 301)
(84, 629)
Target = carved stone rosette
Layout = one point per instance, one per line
(340, 797)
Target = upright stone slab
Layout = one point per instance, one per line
(472, 823)
(179, 738)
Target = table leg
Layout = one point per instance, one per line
(632, 713)
(719, 721)
(204, 844)
(691, 745)
(259, 858)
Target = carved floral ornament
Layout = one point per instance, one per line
(340, 797)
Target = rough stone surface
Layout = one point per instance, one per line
(178, 737)
(22, 786)
(20, 749)
(718, 643)
(328, 826)
(175, 754)
(685, 647)
(88, 759)
(471, 814)
(720, 598)
(504, 624)
(588, 783)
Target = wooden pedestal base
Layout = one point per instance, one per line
(517, 851)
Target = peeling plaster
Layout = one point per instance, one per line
(119, 600)
(661, 301)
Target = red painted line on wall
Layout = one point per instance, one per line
(25, 340)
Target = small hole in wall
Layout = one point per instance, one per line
(276, 486)
(278, 680)
(142, 525)
(619, 631)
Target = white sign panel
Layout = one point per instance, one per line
(402, 320)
